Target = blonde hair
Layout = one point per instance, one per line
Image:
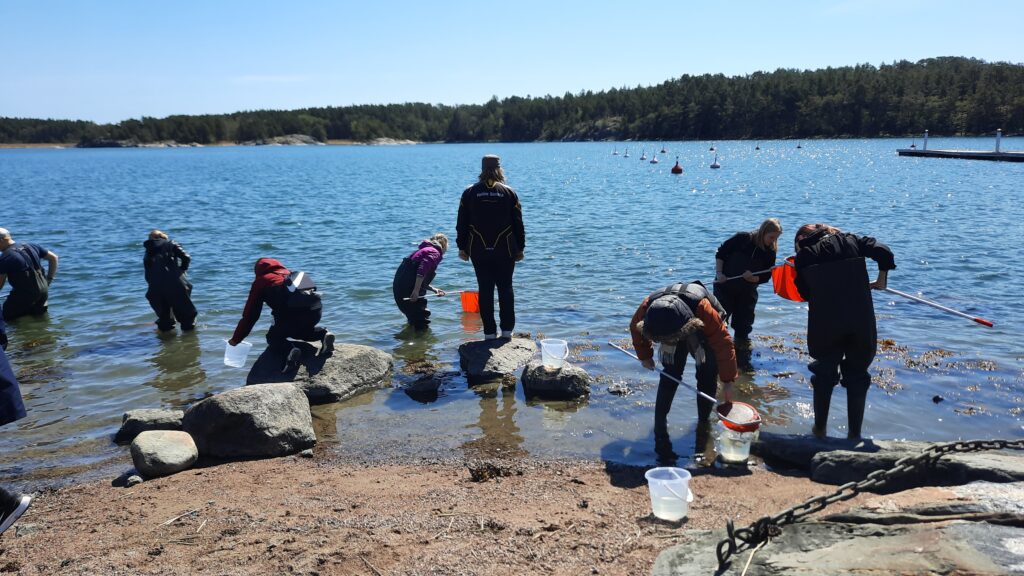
(154, 234)
(767, 227)
(491, 175)
(441, 240)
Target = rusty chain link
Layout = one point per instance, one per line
(767, 527)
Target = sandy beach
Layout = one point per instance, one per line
(324, 516)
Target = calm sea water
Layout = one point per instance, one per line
(602, 232)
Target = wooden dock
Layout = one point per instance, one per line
(964, 154)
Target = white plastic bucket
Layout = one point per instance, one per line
(670, 492)
(553, 353)
(234, 356)
(733, 446)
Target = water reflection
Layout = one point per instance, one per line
(420, 368)
(556, 414)
(500, 436)
(472, 325)
(176, 360)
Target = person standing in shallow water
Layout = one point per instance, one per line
(169, 293)
(21, 265)
(742, 255)
(490, 233)
(832, 277)
(686, 320)
(413, 278)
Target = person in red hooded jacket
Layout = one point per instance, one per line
(271, 286)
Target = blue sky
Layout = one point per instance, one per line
(111, 60)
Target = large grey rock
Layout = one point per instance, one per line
(833, 461)
(484, 360)
(836, 548)
(135, 422)
(163, 452)
(259, 420)
(563, 383)
(971, 529)
(347, 371)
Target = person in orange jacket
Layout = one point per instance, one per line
(686, 320)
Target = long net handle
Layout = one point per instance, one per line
(977, 319)
(669, 376)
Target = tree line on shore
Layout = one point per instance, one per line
(948, 96)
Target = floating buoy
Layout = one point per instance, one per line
(655, 159)
(643, 155)
(715, 164)
(663, 151)
(677, 169)
(615, 152)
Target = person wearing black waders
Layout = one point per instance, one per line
(736, 281)
(841, 336)
(169, 293)
(21, 264)
(686, 320)
(490, 232)
(413, 278)
(296, 307)
(12, 504)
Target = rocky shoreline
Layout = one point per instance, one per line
(235, 484)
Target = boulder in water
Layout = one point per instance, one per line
(345, 372)
(484, 360)
(565, 383)
(134, 422)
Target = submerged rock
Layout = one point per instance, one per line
(260, 420)
(134, 422)
(347, 371)
(563, 383)
(484, 360)
(163, 452)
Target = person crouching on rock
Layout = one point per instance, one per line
(413, 278)
(296, 313)
(831, 275)
(687, 321)
(169, 293)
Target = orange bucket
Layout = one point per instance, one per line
(470, 301)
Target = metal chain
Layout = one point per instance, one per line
(767, 527)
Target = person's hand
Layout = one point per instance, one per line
(519, 257)
(727, 391)
(440, 292)
(414, 297)
(881, 282)
(749, 277)
(3, 340)
(463, 255)
(233, 342)
(648, 363)
(720, 277)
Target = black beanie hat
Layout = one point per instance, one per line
(666, 316)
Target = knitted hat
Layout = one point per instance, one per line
(490, 162)
(666, 316)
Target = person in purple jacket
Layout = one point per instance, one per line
(413, 278)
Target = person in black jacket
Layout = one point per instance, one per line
(841, 333)
(169, 293)
(742, 255)
(490, 232)
(21, 264)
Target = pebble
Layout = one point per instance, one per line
(133, 480)
(307, 453)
